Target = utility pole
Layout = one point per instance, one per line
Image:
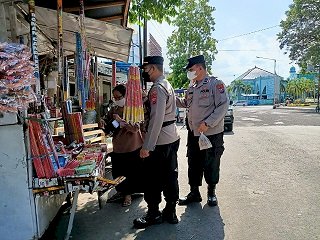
(274, 81)
(145, 42)
(145, 37)
(318, 106)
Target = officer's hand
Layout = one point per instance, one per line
(144, 153)
(203, 127)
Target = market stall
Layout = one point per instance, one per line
(38, 169)
(34, 167)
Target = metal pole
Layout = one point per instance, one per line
(274, 87)
(274, 80)
(114, 72)
(60, 51)
(145, 37)
(318, 106)
(140, 52)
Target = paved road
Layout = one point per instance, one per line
(269, 187)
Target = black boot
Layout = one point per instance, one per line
(169, 213)
(212, 198)
(152, 217)
(193, 196)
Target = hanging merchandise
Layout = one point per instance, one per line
(16, 77)
(133, 109)
(72, 124)
(84, 86)
(79, 69)
(91, 102)
(34, 44)
(43, 152)
(74, 131)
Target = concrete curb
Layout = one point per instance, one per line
(302, 109)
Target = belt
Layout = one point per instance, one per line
(164, 124)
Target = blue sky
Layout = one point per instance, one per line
(233, 18)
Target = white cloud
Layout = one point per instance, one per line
(230, 64)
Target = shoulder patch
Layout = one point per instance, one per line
(220, 87)
(206, 81)
(153, 97)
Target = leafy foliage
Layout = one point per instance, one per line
(161, 10)
(193, 36)
(300, 33)
(301, 88)
(237, 87)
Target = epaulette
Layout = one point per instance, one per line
(205, 81)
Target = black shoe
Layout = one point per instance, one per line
(191, 197)
(169, 215)
(212, 201)
(148, 220)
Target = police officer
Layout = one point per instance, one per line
(160, 147)
(207, 102)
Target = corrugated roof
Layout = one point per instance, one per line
(114, 11)
(105, 39)
(254, 73)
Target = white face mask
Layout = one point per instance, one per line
(120, 103)
(191, 75)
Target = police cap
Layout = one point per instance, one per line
(195, 60)
(152, 60)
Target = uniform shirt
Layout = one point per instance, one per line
(162, 109)
(207, 102)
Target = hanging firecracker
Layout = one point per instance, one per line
(133, 109)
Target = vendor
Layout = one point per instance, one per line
(127, 142)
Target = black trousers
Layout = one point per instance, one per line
(204, 162)
(128, 165)
(161, 169)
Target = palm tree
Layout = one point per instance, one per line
(230, 92)
(294, 88)
(283, 85)
(238, 87)
(247, 88)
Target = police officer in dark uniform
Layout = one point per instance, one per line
(207, 103)
(160, 147)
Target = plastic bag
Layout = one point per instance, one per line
(204, 142)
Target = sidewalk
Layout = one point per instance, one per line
(304, 109)
(114, 222)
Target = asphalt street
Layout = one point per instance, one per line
(269, 187)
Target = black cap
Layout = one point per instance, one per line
(152, 60)
(195, 60)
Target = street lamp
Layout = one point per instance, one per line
(274, 81)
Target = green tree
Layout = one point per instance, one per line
(161, 10)
(300, 34)
(193, 36)
(283, 86)
(238, 87)
(247, 88)
(231, 94)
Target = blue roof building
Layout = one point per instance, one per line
(265, 86)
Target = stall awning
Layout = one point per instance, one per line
(105, 39)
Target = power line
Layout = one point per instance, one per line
(157, 29)
(245, 34)
(242, 50)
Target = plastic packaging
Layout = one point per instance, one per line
(204, 142)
